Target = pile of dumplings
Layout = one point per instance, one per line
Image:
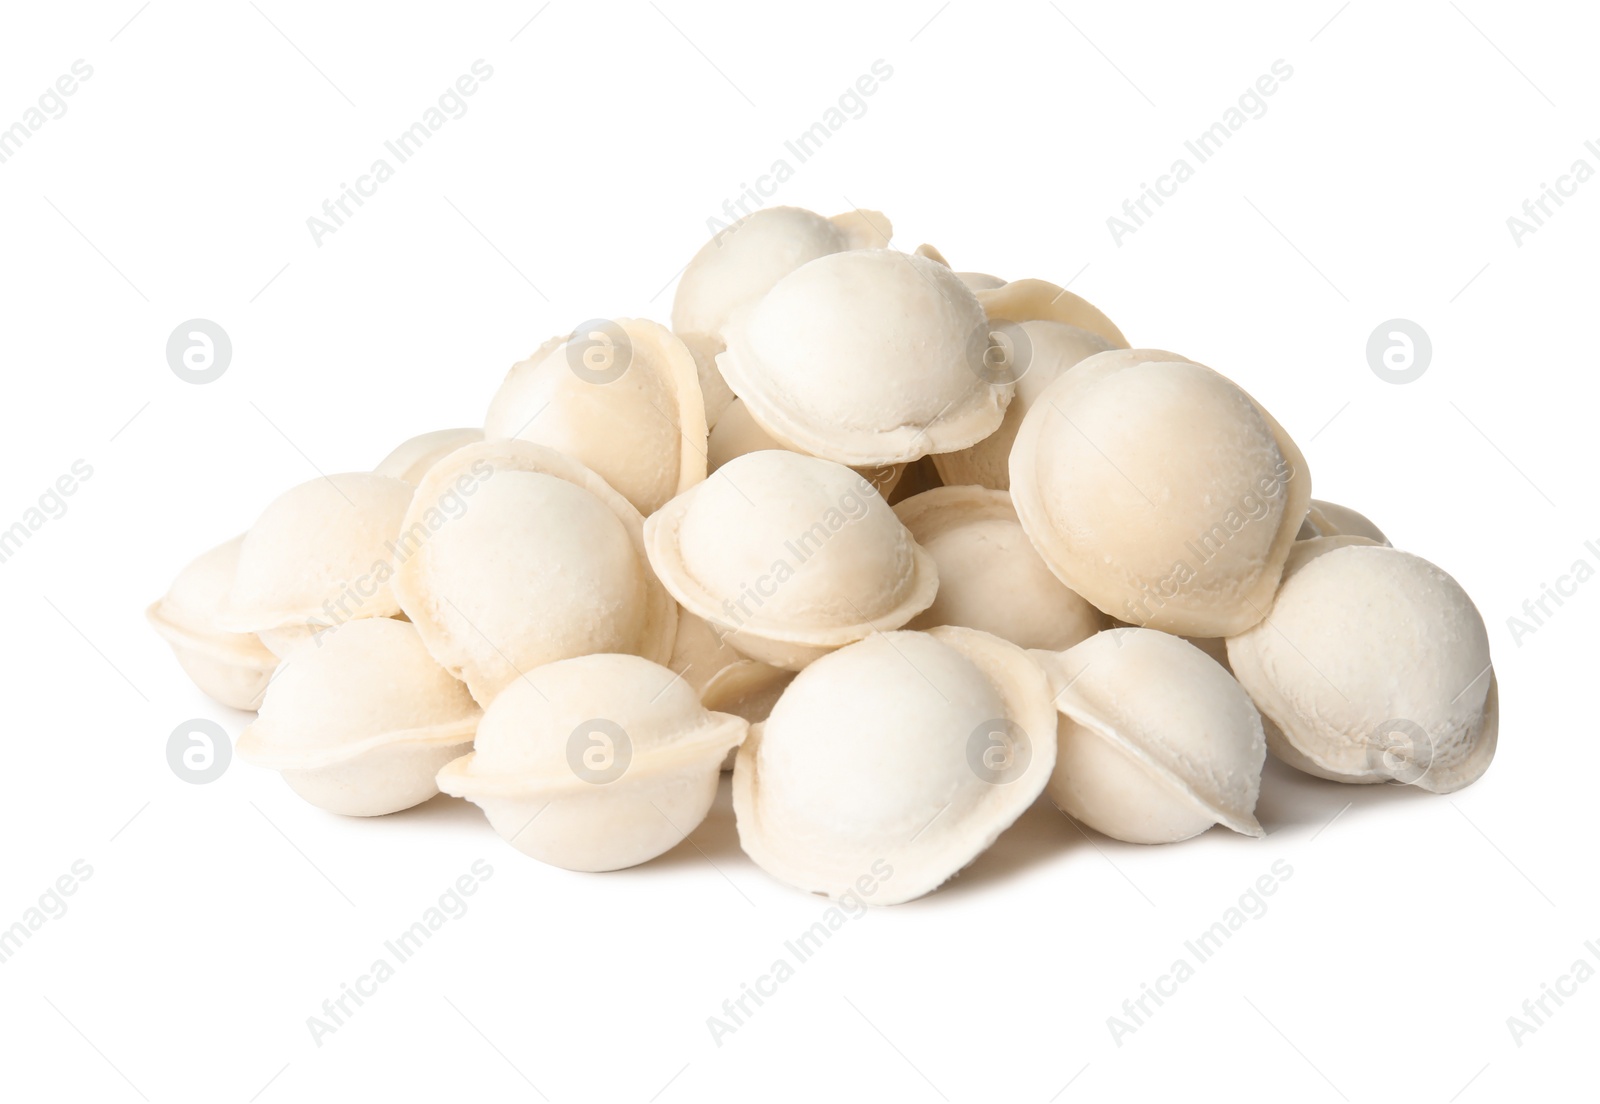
(904, 547)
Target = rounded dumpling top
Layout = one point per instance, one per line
(622, 398)
(1160, 491)
(1039, 352)
(1374, 665)
(990, 577)
(790, 547)
(569, 723)
(231, 667)
(412, 458)
(204, 582)
(742, 262)
(867, 357)
(187, 613)
(908, 751)
(1040, 300)
(320, 554)
(514, 555)
(1329, 519)
(1173, 710)
(362, 686)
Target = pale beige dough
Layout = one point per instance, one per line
(595, 763)
(990, 577)
(1160, 491)
(623, 401)
(412, 458)
(741, 263)
(233, 668)
(514, 555)
(1373, 666)
(360, 719)
(1157, 742)
(867, 357)
(898, 759)
(789, 557)
(320, 555)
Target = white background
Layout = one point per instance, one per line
(219, 917)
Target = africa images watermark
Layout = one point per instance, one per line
(851, 104)
(1252, 506)
(797, 550)
(50, 506)
(51, 905)
(849, 905)
(1251, 104)
(451, 506)
(1536, 211)
(1252, 905)
(1537, 611)
(1537, 1010)
(450, 905)
(52, 104)
(451, 104)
